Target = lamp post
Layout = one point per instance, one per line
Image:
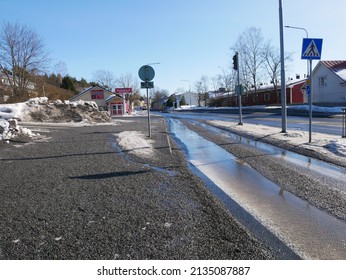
(188, 81)
(309, 73)
(307, 36)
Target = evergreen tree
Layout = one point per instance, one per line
(183, 100)
(68, 83)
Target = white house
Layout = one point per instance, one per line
(329, 82)
(190, 98)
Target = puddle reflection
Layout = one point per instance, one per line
(310, 232)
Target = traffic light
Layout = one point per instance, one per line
(235, 62)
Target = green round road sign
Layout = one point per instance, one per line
(146, 73)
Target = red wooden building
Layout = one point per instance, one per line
(266, 95)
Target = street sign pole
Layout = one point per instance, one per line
(310, 100)
(148, 108)
(146, 73)
(312, 49)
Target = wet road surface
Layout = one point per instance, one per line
(310, 232)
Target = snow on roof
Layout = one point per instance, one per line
(342, 74)
(336, 66)
(109, 98)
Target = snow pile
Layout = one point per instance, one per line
(136, 143)
(321, 143)
(336, 147)
(87, 111)
(9, 129)
(39, 109)
(13, 111)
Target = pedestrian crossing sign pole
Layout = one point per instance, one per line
(312, 49)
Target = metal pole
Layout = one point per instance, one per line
(148, 108)
(310, 101)
(283, 79)
(239, 92)
(343, 123)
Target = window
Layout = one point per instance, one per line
(266, 96)
(322, 81)
(97, 94)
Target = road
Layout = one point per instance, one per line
(331, 125)
(75, 194)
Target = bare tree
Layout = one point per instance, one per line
(60, 69)
(250, 46)
(104, 78)
(128, 81)
(201, 87)
(227, 81)
(22, 56)
(271, 56)
(158, 96)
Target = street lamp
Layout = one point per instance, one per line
(301, 28)
(153, 63)
(307, 36)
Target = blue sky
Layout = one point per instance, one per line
(189, 38)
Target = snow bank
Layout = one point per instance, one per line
(321, 143)
(13, 111)
(39, 109)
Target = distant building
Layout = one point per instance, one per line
(329, 82)
(6, 82)
(190, 98)
(105, 100)
(265, 94)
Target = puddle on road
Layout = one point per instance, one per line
(318, 166)
(310, 232)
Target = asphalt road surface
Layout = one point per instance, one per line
(74, 194)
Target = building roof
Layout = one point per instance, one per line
(88, 89)
(338, 67)
(113, 97)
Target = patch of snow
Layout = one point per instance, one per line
(136, 143)
(37, 100)
(336, 147)
(342, 74)
(168, 225)
(13, 111)
(9, 129)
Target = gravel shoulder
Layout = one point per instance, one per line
(75, 194)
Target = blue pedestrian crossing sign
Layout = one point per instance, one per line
(312, 48)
